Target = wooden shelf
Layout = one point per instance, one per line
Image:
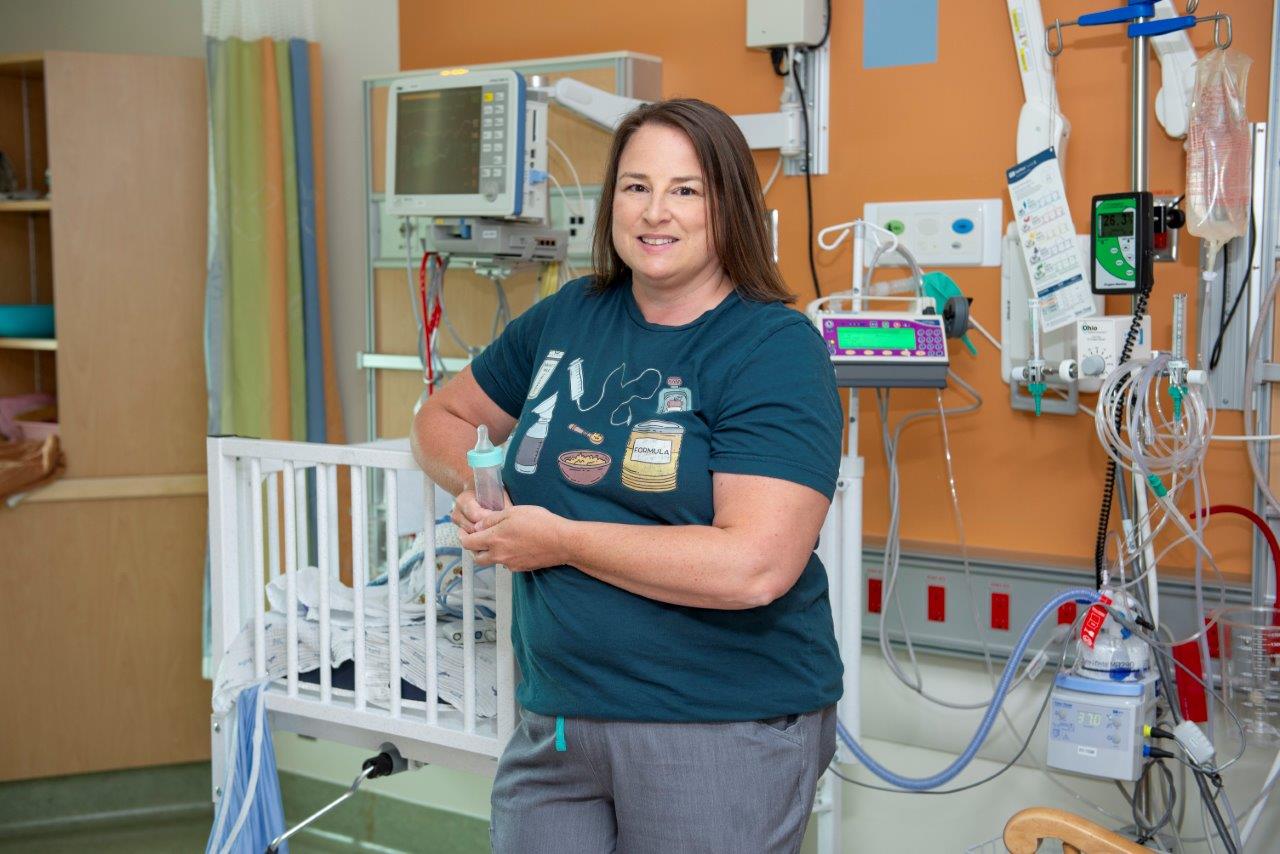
(28, 344)
(29, 65)
(26, 205)
(104, 488)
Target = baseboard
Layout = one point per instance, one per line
(143, 797)
(104, 799)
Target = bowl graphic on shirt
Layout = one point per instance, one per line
(584, 468)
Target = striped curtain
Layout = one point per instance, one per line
(269, 353)
(268, 348)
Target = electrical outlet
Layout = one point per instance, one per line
(947, 233)
(1166, 239)
(578, 217)
(395, 233)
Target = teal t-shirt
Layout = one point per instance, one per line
(622, 420)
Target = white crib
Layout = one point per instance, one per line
(258, 527)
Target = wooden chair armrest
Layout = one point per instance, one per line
(1025, 830)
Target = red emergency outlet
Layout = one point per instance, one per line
(1066, 613)
(1214, 639)
(1000, 611)
(937, 603)
(874, 587)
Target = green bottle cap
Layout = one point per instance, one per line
(484, 454)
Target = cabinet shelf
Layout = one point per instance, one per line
(26, 205)
(49, 344)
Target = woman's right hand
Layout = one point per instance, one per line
(467, 511)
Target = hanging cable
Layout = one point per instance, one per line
(430, 314)
(808, 177)
(1108, 488)
(1215, 353)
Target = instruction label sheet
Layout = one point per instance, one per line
(1048, 240)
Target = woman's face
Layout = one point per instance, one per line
(660, 219)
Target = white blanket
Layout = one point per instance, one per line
(236, 670)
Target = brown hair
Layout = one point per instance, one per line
(735, 204)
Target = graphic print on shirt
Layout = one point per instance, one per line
(531, 445)
(642, 387)
(544, 373)
(584, 467)
(652, 459)
(674, 398)
(593, 438)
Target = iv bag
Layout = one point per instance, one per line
(1218, 151)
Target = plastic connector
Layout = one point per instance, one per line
(537, 176)
(1193, 740)
(1036, 664)
(1156, 486)
(1037, 394)
(1176, 392)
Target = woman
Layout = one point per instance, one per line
(675, 442)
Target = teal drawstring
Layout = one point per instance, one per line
(560, 745)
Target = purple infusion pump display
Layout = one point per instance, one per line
(901, 338)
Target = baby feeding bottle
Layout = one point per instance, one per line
(486, 466)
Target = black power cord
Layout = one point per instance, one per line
(826, 30)
(778, 59)
(1108, 489)
(808, 178)
(1226, 317)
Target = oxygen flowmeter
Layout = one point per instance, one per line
(1122, 242)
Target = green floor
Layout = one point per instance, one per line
(166, 810)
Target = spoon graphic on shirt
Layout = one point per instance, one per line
(593, 438)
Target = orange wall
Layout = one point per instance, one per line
(936, 131)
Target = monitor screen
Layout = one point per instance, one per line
(875, 338)
(438, 142)
(1115, 224)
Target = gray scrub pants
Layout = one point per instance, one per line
(634, 787)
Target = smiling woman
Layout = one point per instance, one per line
(701, 211)
(670, 617)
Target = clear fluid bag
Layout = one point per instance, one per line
(1218, 151)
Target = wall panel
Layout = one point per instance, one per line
(943, 130)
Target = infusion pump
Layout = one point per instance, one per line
(900, 343)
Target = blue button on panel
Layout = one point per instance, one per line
(962, 226)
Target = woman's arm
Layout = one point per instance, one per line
(445, 429)
(753, 552)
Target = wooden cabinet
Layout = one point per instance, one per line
(100, 611)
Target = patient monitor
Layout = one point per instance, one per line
(466, 143)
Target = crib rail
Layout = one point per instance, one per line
(263, 499)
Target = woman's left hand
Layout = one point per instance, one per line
(521, 537)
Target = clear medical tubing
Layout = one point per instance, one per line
(920, 784)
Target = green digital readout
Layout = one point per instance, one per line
(1115, 224)
(875, 338)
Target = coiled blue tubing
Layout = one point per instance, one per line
(920, 784)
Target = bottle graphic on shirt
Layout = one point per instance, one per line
(531, 445)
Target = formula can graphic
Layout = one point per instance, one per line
(652, 459)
